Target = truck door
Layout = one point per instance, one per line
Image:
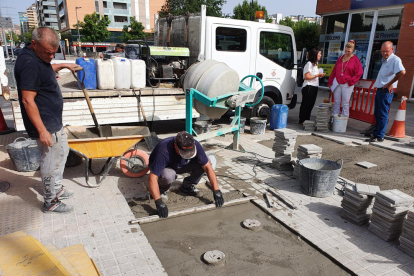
(230, 45)
(274, 61)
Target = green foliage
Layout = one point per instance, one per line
(94, 28)
(306, 33)
(242, 11)
(133, 31)
(180, 7)
(13, 35)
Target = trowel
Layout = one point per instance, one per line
(101, 131)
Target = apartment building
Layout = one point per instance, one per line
(118, 12)
(32, 16)
(47, 13)
(24, 22)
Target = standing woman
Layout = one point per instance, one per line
(347, 71)
(310, 85)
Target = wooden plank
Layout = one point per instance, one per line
(73, 93)
(192, 210)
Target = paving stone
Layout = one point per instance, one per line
(366, 189)
(366, 165)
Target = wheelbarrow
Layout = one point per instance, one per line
(87, 144)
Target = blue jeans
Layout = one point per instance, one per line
(382, 106)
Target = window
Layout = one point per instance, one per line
(121, 19)
(122, 6)
(231, 39)
(105, 4)
(97, 6)
(277, 47)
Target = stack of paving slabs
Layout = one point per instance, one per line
(388, 214)
(306, 151)
(283, 147)
(407, 236)
(356, 206)
(309, 125)
(323, 116)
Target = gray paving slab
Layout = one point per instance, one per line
(366, 189)
(366, 164)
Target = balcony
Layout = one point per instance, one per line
(49, 11)
(51, 20)
(118, 25)
(121, 12)
(62, 13)
(48, 3)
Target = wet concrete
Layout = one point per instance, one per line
(274, 250)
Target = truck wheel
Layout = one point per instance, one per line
(262, 109)
(138, 165)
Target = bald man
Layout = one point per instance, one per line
(390, 72)
(41, 104)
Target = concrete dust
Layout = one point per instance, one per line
(180, 243)
(178, 201)
(394, 170)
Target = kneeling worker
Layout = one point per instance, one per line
(178, 155)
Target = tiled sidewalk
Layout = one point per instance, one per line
(100, 220)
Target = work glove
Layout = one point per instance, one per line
(161, 208)
(218, 198)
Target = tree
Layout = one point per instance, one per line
(133, 31)
(180, 7)
(242, 11)
(13, 36)
(94, 28)
(306, 33)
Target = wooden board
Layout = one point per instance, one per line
(116, 110)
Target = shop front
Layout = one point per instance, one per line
(369, 23)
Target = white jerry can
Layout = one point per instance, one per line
(105, 74)
(138, 73)
(122, 68)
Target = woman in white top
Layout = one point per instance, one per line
(310, 85)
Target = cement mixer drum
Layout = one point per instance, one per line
(213, 79)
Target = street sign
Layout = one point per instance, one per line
(6, 22)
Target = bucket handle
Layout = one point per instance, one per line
(15, 140)
(300, 163)
(342, 162)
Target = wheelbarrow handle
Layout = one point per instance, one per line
(342, 162)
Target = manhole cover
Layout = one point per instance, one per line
(4, 186)
(214, 257)
(252, 224)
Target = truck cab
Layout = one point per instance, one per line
(265, 50)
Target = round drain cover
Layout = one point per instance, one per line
(4, 186)
(214, 257)
(252, 224)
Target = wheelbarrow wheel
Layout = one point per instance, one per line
(137, 165)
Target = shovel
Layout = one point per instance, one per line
(153, 139)
(101, 131)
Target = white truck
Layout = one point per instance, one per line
(251, 48)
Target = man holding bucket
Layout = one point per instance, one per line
(178, 155)
(390, 72)
(41, 104)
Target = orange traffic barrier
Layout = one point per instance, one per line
(398, 126)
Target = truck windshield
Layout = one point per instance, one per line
(277, 47)
(231, 39)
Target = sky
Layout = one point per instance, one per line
(289, 7)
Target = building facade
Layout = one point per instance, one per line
(119, 13)
(369, 23)
(24, 22)
(47, 13)
(32, 16)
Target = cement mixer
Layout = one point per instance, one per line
(212, 87)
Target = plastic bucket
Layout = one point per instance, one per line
(202, 127)
(257, 125)
(339, 124)
(242, 123)
(278, 116)
(24, 154)
(318, 177)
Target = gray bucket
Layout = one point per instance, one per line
(242, 123)
(202, 127)
(318, 177)
(25, 154)
(257, 125)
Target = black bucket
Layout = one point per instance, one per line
(25, 154)
(318, 177)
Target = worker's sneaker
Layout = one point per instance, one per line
(164, 196)
(375, 139)
(193, 191)
(64, 194)
(57, 206)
